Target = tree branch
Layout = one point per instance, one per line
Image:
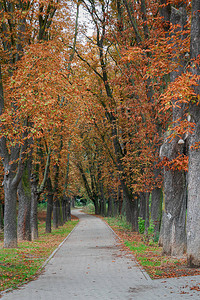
(85, 61)
(41, 187)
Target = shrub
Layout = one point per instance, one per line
(141, 225)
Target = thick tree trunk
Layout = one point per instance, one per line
(68, 210)
(193, 220)
(132, 212)
(24, 207)
(131, 206)
(24, 211)
(12, 177)
(156, 208)
(56, 209)
(143, 210)
(174, 205)
(10, 215)
(57, 213)
(142, 206)
(96, 206)
(174, 208)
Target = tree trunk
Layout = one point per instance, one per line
(24, 208)
(120, 199)
(34, 203)
(116, 207)
(49, 212)
(174, 209)
(60, 213)
(132, 212)
(142, 205)
(24, 211)
(1, 216)
(49, 205)
(110, 206)
(156, 209)
(56, 213)
(174, 205)
(68, 209)
(147, 194)
(64, 208)
(96, 206)
(103, 200)
(73, 201)
(10, 215)
(193, 220)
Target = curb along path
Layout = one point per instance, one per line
(91, 265)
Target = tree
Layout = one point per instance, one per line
(193, 225)
(28, 36)
(174, 209)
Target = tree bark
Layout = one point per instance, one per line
(49, 205)
(24, 198)
(174, 208)
(68, 209)
(156, 208)
(10, 215)
(193, 220)
(1, 216)
(12, 177)
(56, 212)
(142, 206)
(110, 212)
(132, 212)
(103, 200)
(24, 211)
(34, 203)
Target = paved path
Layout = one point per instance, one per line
(91, 265)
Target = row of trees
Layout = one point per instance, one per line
(116, 112)
(37, 104)
(144, 110)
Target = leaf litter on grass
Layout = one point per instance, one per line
(21, 264)
(150, 257)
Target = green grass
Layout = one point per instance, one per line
(145, 253)
(119, 221)
(139, 248)
(21, 264)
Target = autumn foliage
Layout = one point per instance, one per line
(107, 114)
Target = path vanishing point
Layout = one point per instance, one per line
(91, 265)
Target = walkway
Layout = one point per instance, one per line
(91, 265)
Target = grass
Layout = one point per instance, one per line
(120, 222)
(89, 208)
(149, 256)
(22, 264)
